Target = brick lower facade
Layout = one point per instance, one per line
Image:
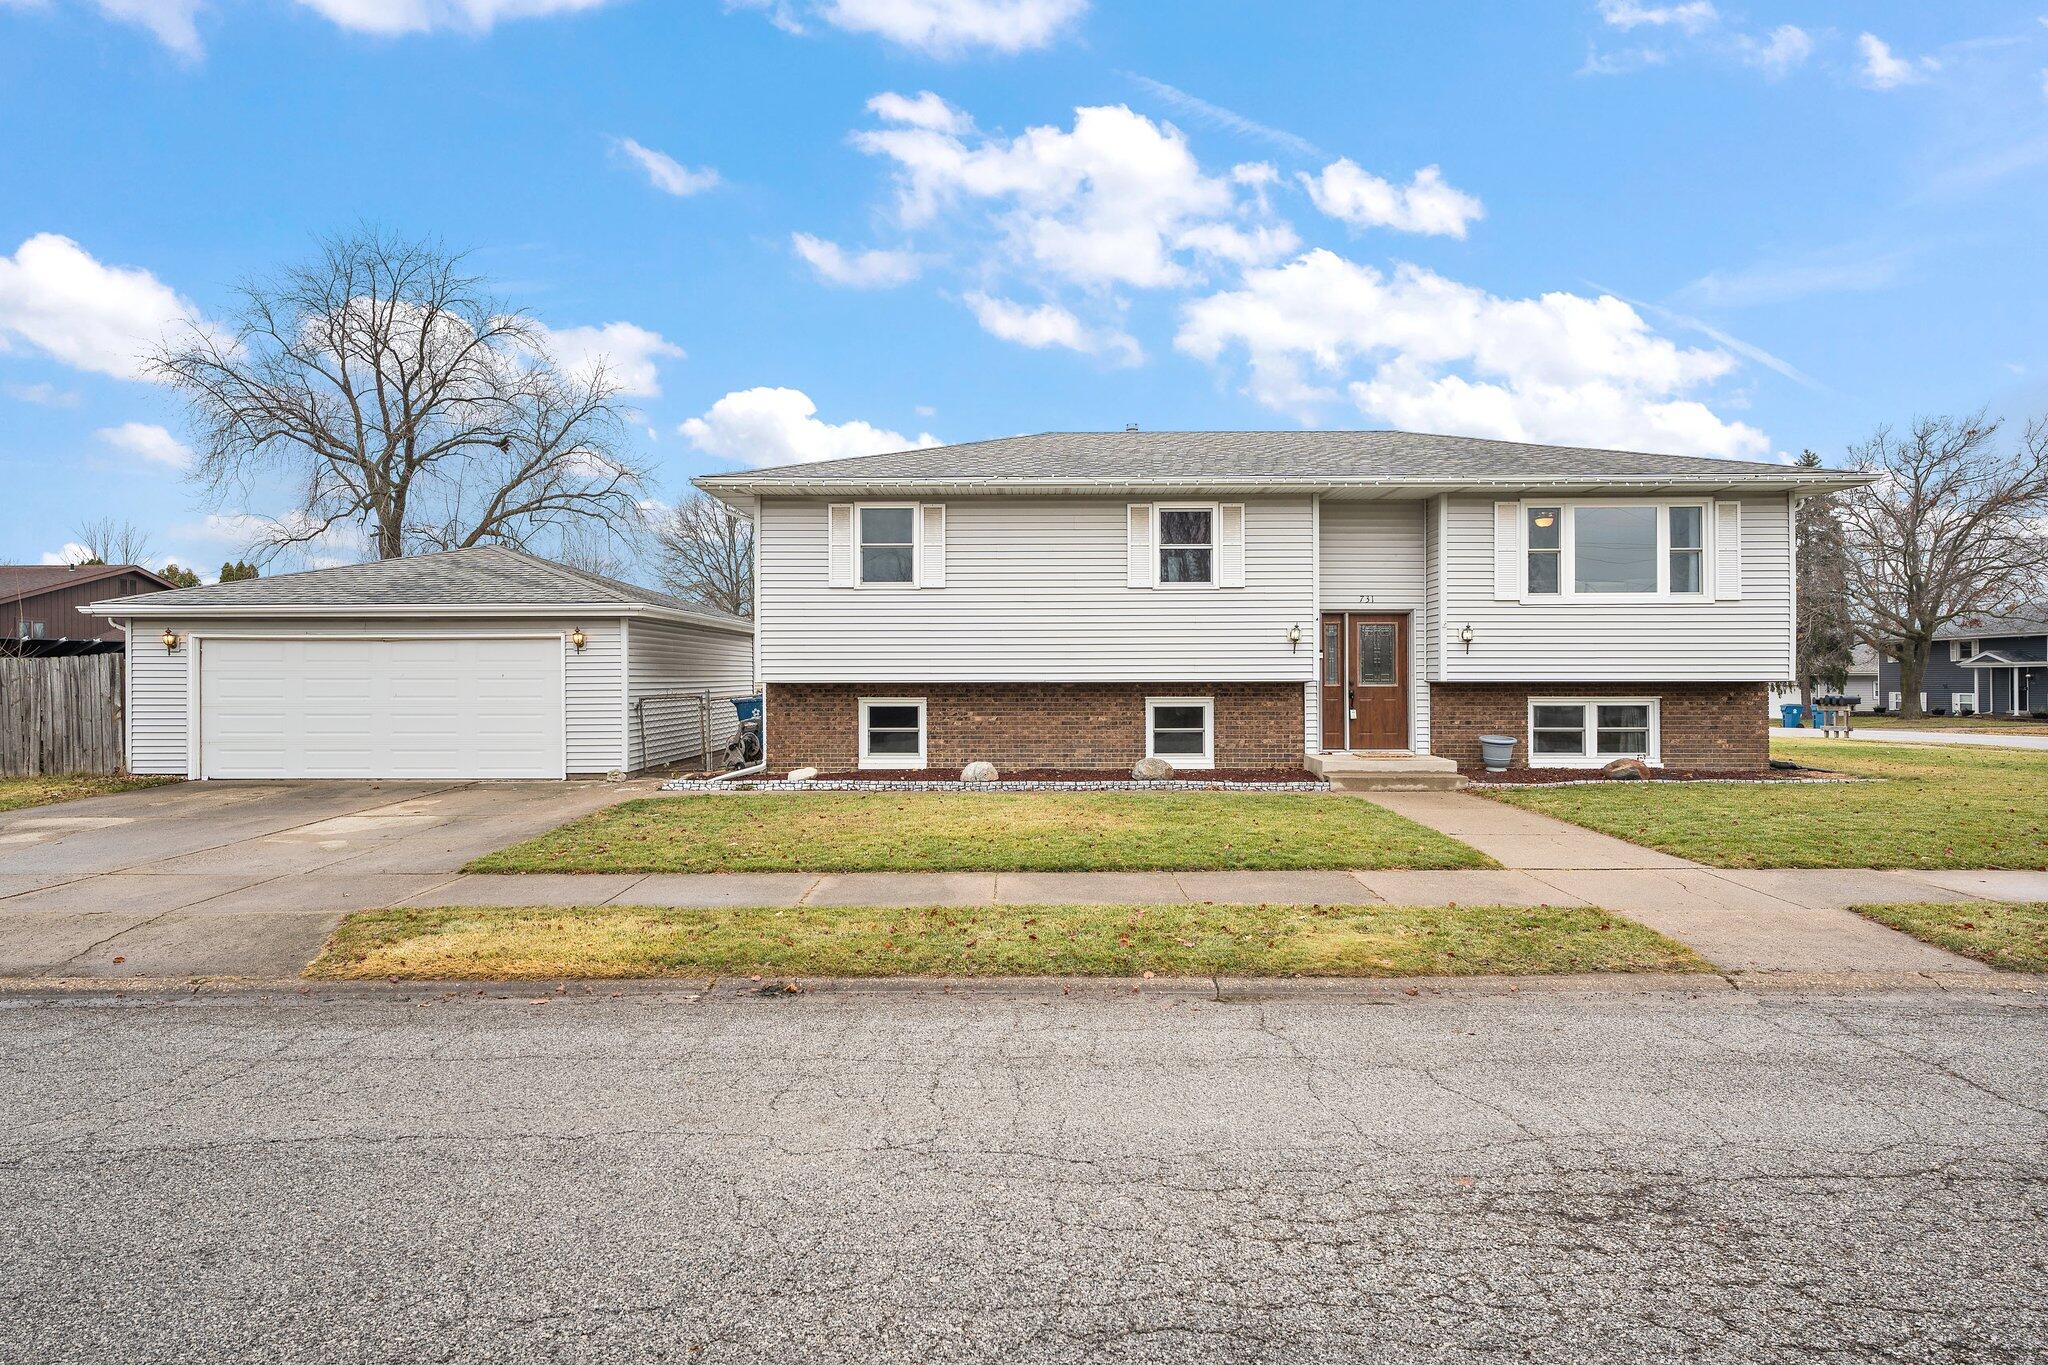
(1033, 725)
(1700, 725)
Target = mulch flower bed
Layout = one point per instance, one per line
(1070, 775)
(1554, 777)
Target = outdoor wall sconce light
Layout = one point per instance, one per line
(1465, 638)
(170, 638)
(1294, 636)
(577, 639)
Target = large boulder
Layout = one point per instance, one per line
(1626, 770)
(1151, 769)
(979, 771)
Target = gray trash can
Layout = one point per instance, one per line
(1498, 751)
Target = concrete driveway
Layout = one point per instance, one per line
(245, 879)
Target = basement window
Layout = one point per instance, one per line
(1181, 730)
(1587, 732)
(892, 732)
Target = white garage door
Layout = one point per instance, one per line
(349, 707)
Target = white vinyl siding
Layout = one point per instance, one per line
(1374, 557)
(1037, 590)
(1662, 639)
(664, 658)
(159, 705)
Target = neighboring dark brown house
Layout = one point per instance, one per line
(39, 605)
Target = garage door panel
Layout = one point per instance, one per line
(424, 707)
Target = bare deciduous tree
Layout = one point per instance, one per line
(1954, 528)
(707, 554)
(393, 395)
(114, 542)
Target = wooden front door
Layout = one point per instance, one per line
(1335, 675)
(1379, 681)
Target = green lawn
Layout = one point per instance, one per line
(985, 832)
(17, 793)
(1937, 807)
(2013, 937)
(999, 941)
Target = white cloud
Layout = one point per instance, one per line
(1444, 356)
(392, 17)
(1788, 46)
(1049, 325)
(938, 28)
(169, 21)
(1427, 204)
(59, 300)
(300, 537)
(769, 426)
(1856, 268)
(665, 173)
(1181, 102)
(922, 110)
(1108, 203)
(856, 270)
(43, 395)
(147, 441)
(1884, 70)
(1691, 17)
(72, 553)
(628, 353)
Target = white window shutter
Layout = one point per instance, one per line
(931, 566)
(1139, 563)
(1728, 551)
(839, 548)
(1230, 545)
(1507, 549)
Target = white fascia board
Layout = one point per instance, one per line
(407, 611)
(728, 487)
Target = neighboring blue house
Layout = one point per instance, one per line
(1989, 665)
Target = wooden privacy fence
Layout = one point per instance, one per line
(60, 715)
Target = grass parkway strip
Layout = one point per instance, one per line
(986, 832)
(1936, 807)
(472, 943)
(2009, 936)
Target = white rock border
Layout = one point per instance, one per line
(701, 787)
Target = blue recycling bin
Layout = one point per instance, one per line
(1793, 715)
(748, 708)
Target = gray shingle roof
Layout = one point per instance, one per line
(1229, 456)
(482, 576)
(2027, 621)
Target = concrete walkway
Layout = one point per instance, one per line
(2037, 743)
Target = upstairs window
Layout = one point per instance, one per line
(888, 544)
(1187, 545)
(1615, 549)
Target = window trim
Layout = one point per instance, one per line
(860, 577)
(1159, 546)
(917, 760)
(1205, 759)
(1589, 755)
(1567, 551)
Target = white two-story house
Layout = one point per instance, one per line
(1252, 600)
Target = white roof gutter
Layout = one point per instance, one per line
(146, 606)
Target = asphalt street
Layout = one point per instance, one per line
(631, 1174)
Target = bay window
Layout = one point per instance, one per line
(1615, 549)
(1587, 732)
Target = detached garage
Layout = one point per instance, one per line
(479, 663)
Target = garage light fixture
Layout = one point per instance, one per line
(577, 639)
(170, 638)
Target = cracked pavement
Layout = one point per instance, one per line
(1474, 1172)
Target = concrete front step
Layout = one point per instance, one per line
(1387, 771)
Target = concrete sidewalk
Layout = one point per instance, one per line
(1519, 838)
(2037, 743)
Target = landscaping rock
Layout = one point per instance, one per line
(979, 771)
(1626, 770)
(1151, 770)
(801, 774)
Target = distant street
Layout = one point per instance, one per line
(1619, 1175)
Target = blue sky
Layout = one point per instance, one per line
(818, 227)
